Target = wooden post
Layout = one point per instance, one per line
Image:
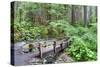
(61, 46)
(54, 46)
(40, 50)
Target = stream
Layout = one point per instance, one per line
(22, 58)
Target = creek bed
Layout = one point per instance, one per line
(28, 58)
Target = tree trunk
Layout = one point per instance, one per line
(73, 14)
(85, 16)
(96, 13)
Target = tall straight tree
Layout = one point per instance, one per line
(96, 13)
(73, 14)
(85, 16)
(90, 11)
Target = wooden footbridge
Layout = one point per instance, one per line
(50, 48)
(42, 50)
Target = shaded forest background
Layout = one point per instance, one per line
(35, 21)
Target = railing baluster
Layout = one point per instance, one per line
(54, 46)
(40, 50)
(61, 46)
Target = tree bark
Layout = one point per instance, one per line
(85, 16)
(73, 14)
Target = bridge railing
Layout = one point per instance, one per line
(56, 46)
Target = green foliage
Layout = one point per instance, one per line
(93, 19)
(80, 51)
(83, 44)
(83, 39)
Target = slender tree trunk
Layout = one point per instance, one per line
(73, 14)
(20, 13)
(96, 13)
(85, 16)
(90, 11)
